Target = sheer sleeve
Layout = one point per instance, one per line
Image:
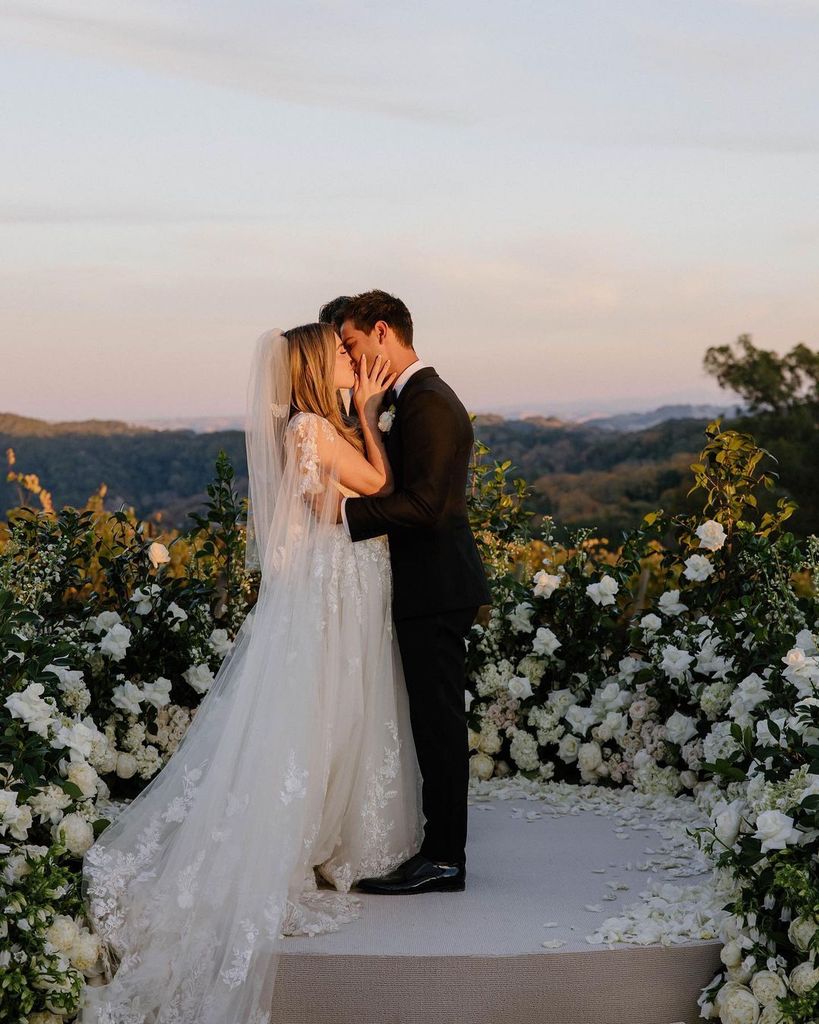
(304, 433)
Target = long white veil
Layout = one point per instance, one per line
(189, 884)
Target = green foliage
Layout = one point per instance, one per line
(767, 381)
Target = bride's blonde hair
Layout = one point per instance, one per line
(312, 351)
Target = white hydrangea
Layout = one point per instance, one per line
(715, 698)
(523, 751)
(719, 743)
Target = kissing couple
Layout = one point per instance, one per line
(331, 750)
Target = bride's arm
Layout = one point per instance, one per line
(371, 475)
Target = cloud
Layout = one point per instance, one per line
(248, 53)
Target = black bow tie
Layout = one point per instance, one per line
(390, 397)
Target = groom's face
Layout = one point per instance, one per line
(361, 343)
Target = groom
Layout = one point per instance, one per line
(438, 578)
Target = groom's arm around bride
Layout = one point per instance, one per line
(438, 578)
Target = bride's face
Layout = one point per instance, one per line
(344, 376)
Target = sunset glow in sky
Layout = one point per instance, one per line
(574, 198)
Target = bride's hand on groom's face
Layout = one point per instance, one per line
(370, 384)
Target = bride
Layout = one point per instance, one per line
(298, 774)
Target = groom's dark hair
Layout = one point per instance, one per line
(332, 312)
(367, 309)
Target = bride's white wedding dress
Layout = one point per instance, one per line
(297, 776)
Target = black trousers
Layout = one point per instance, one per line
(434, 655)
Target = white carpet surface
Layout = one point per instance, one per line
(534, 870)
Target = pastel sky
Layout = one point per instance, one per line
(574, 197)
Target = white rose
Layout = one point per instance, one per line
(675, 662)
(386, 420)
(199, 677)
(738, 1006)
(545, 642)
(807, 641)
(179, 615)
(75, 832)
(670, 603)
(727, 821)
(142, 601)
(128, 697)
(650, 623)
(18, 822)
(219, 642)
(63, 932)
(104, 621)
(49, 803)
(568, 748)
(520, 618)
(580, 718)
(545, 583)
(82, 774)
(801, 930)
(768, 987)
(712, 535)
(731, 954)
(589, 757)
(115, 642)
(775, 830)
(158, 692)
(126, 765)
(481, 766)
(803, 978)
(29, 706)
(79, 738)
(680, 728)
(698, 568)
(602, 593)
(520, 687)
(158, 554)
(85, 952)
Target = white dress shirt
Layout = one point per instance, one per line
(397, 388)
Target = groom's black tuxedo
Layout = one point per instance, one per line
(435, 562)
(438, 585)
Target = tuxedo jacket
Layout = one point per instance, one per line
(435, 562)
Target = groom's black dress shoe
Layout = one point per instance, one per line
(416, 875)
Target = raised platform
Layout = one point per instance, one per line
(540, 871)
